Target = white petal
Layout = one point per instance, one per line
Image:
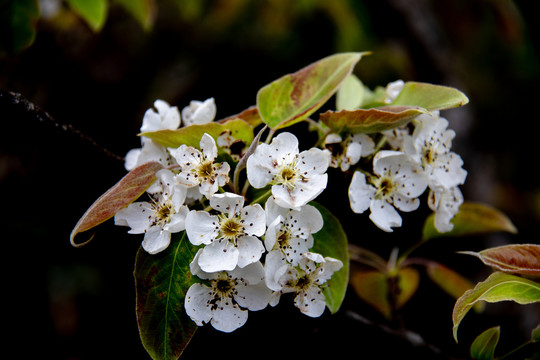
(131, 159)
(218, 256)
(227, 203)
(253, 297)
(405, 203)
(178, 221)
(273, 269)
(251, 274)
(301, 194)
(260, 168)
(208, 146)
(136, 215)
(250, 250)
(273, 210)
(156, 240)
(311, 302)
(199, 112)
(253, 218)
(196, 304)
(270, 237)
(201, 227)
(285, 143)
(229, 317)
(360, 193)
(368, 145)
(384, 215)
(313, 162)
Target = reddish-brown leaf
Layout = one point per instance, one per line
(127, 190)
(523, 259)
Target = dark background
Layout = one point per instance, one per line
(68, 303)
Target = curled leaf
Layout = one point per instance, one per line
(471, 219)
(523, 259)
(123, 193)
(497, 287)
(294, 97)
(370, 120)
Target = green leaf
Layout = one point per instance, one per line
(535, 334)
(294, 97)
(94, 12)
(191, 135)
(497, 287)
(429, 96)
(471, 219)
(250, 115)
(370, 120)
(143, 11)
(351, 94)
(522, 259)
(483, 347)
(331, 241)
(372, 286)
(162, 281)
(17, 25)
(450, 281)
(123, 193)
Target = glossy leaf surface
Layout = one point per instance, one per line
(331, 241)
(162, 281)
(429, 96)
(483, 347)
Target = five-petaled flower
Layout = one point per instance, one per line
(348, 152)
(227, 295)
(296, 178)
(306, 280)
(398, 181)
(230, 236)
(198, 168)
(159, 218)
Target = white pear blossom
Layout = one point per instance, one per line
(392, 90)
(226, 296)
(430, 146)
(198, 167)
(445, 204)
(231, 236)
(199, 112)
(290, 231)
(398, 181)
(159, 218)
(306, 281)
(296, 177)
(348, 152)
(166, 117)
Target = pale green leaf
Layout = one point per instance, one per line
(351, 94)
(497, 287)
(471, 219)
(191, 135)
(429, 96)
(143, 11)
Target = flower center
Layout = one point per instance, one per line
(206, 169)
(385, 187)
(231, 228)
(287, 176)
(163, 213)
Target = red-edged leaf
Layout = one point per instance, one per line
(370, 120)
(127, 190)
(523, 259)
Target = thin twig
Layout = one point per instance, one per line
(18, 101)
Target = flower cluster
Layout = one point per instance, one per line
(418, 156)
(248, 255)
